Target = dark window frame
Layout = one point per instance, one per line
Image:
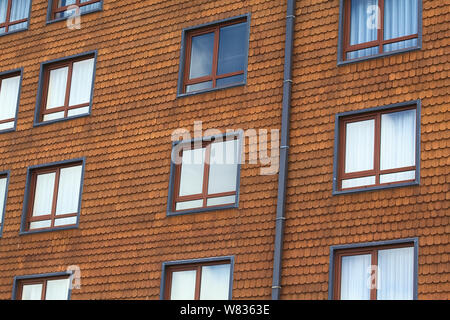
(6, 75)
(19, 281)
(30, 188)
(339, 148)
(42, 96)
(339, 251)
(8, 23)
(344, 32)
(186, 37)
(175, 171)
(3, 175)
(194, 264)
(52, 9)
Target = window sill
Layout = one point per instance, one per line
(181, 95)
(200, 210)
(43, 123)
(8, 130)
(381, 55)
(48, 230)
(388, 186)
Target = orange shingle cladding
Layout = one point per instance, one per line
(124, 233)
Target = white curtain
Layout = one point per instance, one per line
(32, 292)
(20, 9)
(3, 9)
(81, 85)
(57, 289)
(192, 168)
(215, 282)
(223, 166)
(43, 197)
(395, 274)
(69, 190)
(9, 92)
(183, 285)
(57, 88)
(355, 276)
(2, 197)
(359, 150)
(400, 19)
(398, 139)
(363, 26)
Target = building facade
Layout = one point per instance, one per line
(122, 127)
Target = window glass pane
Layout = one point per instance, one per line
(53, 116)
(57, 289)
(19, 9)
(81, 86)
(230, 80)
(57, 88)
(189, 205)
(215, 282)
(7, 125)
(358, 182)
(362, 53)
(32, 292)
(395, 274)
(192, 169)
(359, 145)
(3, 9)
(43, 197)
(69, 190)
(355, 277)
(40, 224)
(232, 48)
(89, 7)
(65, 221)
(63, 3)
(2, 197)
(9, 93)
(199, 86)
(398, 139)
(17, 26)
(2, 30)
(201, 55)
(363, 21)
(398, 176)
(400, 18)
(223, 167)
(183, 285)
(221, 200)
(78, 111)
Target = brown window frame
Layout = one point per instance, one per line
(376, 171)
(46, 81)
(7, 76)
(214, 76)
(204, 195)
(41, 280)
(7, 22)
(197, 266)
(56, 9)
(373, 251)
(380, 42)
(32, 193)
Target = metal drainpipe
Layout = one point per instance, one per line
(282, 175)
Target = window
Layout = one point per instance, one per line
(67, 88)
(206, 174)
(61, 9)
(385, 272)
(43, 288)
(14, 15)
(3, 197)
(373, 27)
(215, 56)
(54, 196)
(198, 281)
(378, 148)
(9, 99)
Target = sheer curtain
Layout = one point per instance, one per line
(363, 26)
(183, 285)
(69, 190)
(355, 277)
(57, 289)
(81, 85)
(20, 9)
(359, 145)
(395, 274)
(2, 197)
(9, 92)
(3, 9)
(400, 19)
(43, 196)
(215, 282)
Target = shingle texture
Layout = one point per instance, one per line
(124, 235)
